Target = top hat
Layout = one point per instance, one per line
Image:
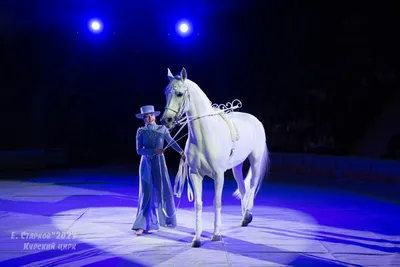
(145, 110)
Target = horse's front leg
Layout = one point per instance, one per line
(197, 182)
(219, 185)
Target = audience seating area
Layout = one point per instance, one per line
(321, 166)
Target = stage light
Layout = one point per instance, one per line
(184, 28)
(95, 26)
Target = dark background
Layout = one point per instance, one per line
(312, 72)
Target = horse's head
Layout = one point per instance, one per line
(177, 96)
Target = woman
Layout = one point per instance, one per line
(153, 174)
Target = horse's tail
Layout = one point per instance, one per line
(264, 170)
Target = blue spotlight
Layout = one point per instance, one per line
(95, 26)
(184, 28)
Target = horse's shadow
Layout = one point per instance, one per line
(334, 238)
(252, 250)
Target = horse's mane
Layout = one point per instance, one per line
(194, 88)
(195, 91)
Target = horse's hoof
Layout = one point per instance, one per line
(217, 237)
(196, 244)
(247, 220)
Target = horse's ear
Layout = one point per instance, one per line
(170, 76)
(183, 74)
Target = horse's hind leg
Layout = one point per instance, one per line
(256, 159)
(219, 185)
(238, 174)
(197, 182)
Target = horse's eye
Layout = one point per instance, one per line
(179, 94)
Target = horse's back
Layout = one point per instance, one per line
(250, 135)
(248, 124)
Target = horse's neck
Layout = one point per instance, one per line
(199, 108)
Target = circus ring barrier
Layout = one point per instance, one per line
(335, 167)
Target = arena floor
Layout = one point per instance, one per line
(83, 217)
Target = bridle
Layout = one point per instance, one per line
(179, 114)
(183, 173)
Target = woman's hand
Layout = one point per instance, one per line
(159, 151)
(183, 155)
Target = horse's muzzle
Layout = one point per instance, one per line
(167, 122)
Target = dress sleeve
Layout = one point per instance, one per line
(169, 139)
(139, 145)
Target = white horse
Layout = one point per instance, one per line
(216, 142)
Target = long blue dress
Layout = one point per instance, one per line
(154, 178)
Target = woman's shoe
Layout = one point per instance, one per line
(169, 226)
(139, 232)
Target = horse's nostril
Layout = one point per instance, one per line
(169, 120)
